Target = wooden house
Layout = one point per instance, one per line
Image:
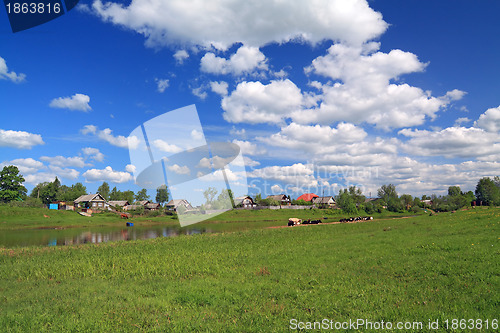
(282, 199)
(93, 201)
(324, 202)
(175, 204)
(244, 201)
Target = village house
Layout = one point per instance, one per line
(175, 204)
(324, 202)
(119, 203)
(282, 199)
(93, 201)
(307, 197)
(244, 201)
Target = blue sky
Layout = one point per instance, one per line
(318, 97)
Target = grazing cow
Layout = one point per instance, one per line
(293, 221)
(315, 222)
(124, 216)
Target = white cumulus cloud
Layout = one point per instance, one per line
(5, 74)
(106, 134)
(244, 61)
(162, 84)
(108, 175)
(61, 161)
(490, 120)
(19, 139)
(221, 23)
(77, 102)
(166, 147)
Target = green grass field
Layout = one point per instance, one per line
(410, 269)
(16, 218)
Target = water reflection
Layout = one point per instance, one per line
(125, 234)
(51, 237)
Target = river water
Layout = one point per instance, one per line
(56, 237)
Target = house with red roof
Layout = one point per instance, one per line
(307, 197)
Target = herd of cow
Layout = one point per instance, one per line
(359, 218)
(295, 221)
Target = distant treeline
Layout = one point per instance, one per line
(351, 200)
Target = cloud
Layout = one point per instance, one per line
(364, 89)
(93, 153)
(25, 165)
(180, 56)
(451, 142)
(200, 92)
(298, 174)
(181, 170)
(40, 177)
(196, 135)
(276, 189)
(61, 161)
(244, 61)
(238, 132)
(166, 147)
(249, 148)
(19, 139)
(490, 120)
(254, 102)
(131, 142)
(162, 84)
(77, 102)
(64, 172)
(12, 76)
(219, 88)
(221, 24)
(462, 120)
(130, 168)
(108, 175)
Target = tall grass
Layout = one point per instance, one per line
(415, 269)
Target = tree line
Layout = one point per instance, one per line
(12, 189)
(350, 200)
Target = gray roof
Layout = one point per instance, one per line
(323, 200)
(152, 205)
(120, 203)
(89, 198)
(177, 202)
(142, 202)
(279, 197)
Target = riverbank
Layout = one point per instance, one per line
(17, 218)
(418, 269)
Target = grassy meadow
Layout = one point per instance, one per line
(16, 218)
(437, 267)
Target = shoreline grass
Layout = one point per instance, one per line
(419, 268)
(17, 218)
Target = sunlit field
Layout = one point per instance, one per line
(416, 269)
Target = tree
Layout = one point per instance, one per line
(67, 193)
(11, 184)
(210, 194)
(115, 194)
(224, 200)
(128, 196)
(104, 190)
(356, 195)
(346, 202)
(454, 191)
(142, 195)
(387, 192)
(49, 192)
(162, 194)
(407, 200)
(487, 192)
